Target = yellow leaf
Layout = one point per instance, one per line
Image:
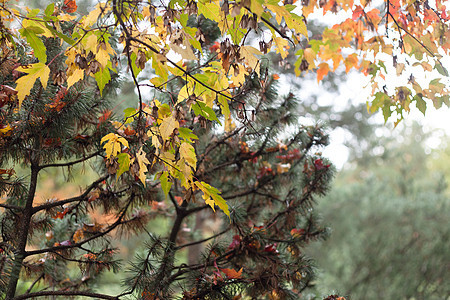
(184, 92)
(25, 83)
(113, 144)
(5, 129)
(248, 54)
(66, 17)
(184, 173)
(281, 46)
(212, 197)
(187, 152)
(90, 42)
(143, 162)
(77, 75)
(229, 124)
(167, 126)
(238, 76)
(102, 55)
(93, 16)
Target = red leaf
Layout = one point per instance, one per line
(235, 243)
(70, 6)
(214, 47)
(318, 163)
(103, 118)
(357, 13)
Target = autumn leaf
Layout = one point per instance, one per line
(232, 274)
(113, 144)
(323, 70)
(143, 162)
(76, 75)
(187, 152)
(281, 46)
(26, 83)
(167, 126)
(70, 6)
(212, 197)
(248, 54)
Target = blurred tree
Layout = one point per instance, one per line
(389, 216)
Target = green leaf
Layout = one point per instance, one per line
(165, 183)
(33, 13)
(102, 77)
(223, 101)
(440, 68)
(64, 37)
(209, 10)
(49, 9)
(128, 112)
(386, 112)
(420, 103)
(202, 109)
(186, 134)
(124, 164)
(35, 42)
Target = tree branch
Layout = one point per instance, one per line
(69, 200)
(64, 293)
(68, 164)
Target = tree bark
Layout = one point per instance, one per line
(20, 252)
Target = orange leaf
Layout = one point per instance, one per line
(351, 62)
(70, 6)
(357, 13)
(323, 70)
(276, 76)
(232, 274)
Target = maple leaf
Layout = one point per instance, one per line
(212, 197)
(124, 164)
(30, 33)
(113, 144)
(232, 274)
(76, 75)
(281, 46)
(167, 126)
(323, 70)
(248, 54)
(188, 153)
(143, 162)
(165, 183)
(26, 83)
(70, 6)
